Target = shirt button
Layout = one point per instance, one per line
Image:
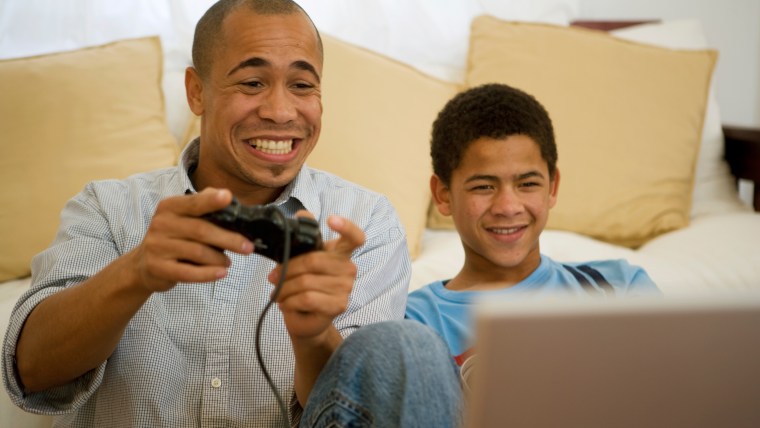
(216, 382)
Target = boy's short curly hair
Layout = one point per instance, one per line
(492, 110)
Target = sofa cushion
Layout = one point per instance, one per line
(714, 186)
(376, 128)
(628, 119)
(69, 118)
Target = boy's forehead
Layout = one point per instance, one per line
(487, 143)
(499, 153)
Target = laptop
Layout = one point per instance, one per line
(637, 362)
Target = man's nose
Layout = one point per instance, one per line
(278, 106)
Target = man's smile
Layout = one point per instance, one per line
(272, 147)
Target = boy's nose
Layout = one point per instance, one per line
(506, 202)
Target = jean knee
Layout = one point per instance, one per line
(398, 336)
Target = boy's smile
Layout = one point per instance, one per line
(499, 197)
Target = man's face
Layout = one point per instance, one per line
(499, 197)
(261, 105)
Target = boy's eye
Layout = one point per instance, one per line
(483, 187)
(531, 185)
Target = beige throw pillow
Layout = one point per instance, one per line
(628, 119)
(67, 119)
(376, 128)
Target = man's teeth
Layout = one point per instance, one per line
(506, 231)
(273, 147)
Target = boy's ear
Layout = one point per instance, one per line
(554, 189)
(441, 195)
(194, 90)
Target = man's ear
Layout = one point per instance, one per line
(441, 195)
(553, 192)
(194, 90)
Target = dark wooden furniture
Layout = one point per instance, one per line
(742, 152)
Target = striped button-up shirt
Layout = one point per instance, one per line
(187, 357)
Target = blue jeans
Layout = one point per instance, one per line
(390, 374)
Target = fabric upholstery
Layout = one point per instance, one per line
(69, 118)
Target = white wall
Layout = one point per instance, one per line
(30, 27)
(731, 26)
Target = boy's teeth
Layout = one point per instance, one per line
(273, 147)
(507, 231)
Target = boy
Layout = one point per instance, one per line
(495, 172)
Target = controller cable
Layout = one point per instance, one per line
(260, 322)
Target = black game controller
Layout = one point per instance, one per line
(265, 226)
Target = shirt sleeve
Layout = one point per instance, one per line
(83, 240)
(383, 272)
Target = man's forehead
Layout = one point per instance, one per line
(265, 34)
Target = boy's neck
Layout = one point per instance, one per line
(475, 278)
(468, 282)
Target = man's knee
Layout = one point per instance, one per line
(397, 336)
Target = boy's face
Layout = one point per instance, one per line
(499, 198)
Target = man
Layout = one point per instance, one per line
(142, 313)
(495, 173)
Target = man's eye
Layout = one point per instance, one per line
(303, 86)
(253, 84)
(530, 184)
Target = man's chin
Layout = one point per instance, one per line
(276, 178)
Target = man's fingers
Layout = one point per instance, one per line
(305, 213)
(207, 200)
(196, 204)
(351, 236)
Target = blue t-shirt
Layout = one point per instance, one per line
(448, 311)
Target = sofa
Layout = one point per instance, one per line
(643, 153)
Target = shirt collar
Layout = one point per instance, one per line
(188, 163)
(303, 191)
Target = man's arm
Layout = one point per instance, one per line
(78, 328)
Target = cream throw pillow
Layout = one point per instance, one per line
(376, 128)
(67, 119)
(714, 186)
(628, 119)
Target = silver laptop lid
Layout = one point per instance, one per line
(639, 362)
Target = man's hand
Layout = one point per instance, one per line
(317, 284)
(181, 247)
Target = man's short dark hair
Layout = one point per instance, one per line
(209, 27)
(492, 110)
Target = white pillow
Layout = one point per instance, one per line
(558, 12)
(430, 35)
(714, 186)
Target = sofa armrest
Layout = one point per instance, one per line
(742, 152)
